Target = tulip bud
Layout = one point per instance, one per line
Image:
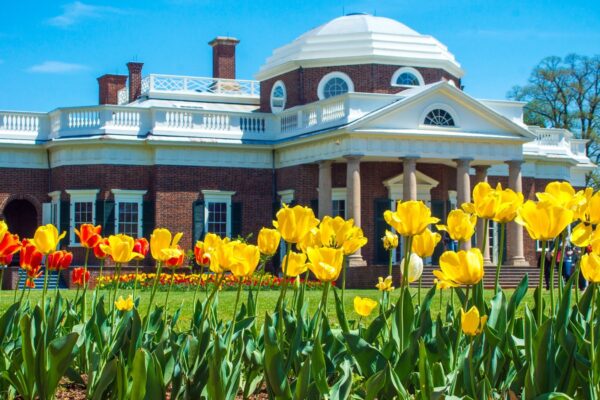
(415, 267)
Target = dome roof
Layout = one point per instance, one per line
(360, 39)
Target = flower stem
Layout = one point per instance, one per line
(46, 272)
(235, 307)
(540, 310)
(95, 296)
(404, 287)
(553, 267)
(137, 271)
(500, 256)
(560, 266)
(390, 262)
(593, 352)
(169, 292)
(156, 277)
(283, 290)
(85, 285)
(321, 310)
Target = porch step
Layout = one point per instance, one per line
(53, 281)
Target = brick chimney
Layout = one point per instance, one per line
(224, 56)
(135, 80)
(108, 88)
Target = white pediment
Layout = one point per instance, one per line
(472, 118)
(395, 186)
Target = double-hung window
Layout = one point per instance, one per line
(128, 211)
(338, 199)
(217, 212)
(82, 210)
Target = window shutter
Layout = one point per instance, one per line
(65, 220)
(381, 254)
(439, 209)
(276, 207)
(108, 218)
(197, 220)
(314, 205)
(236, 219)
(148, 218)
(46, 213)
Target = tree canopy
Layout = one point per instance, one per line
(565, 93)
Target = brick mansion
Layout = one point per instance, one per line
(348, 118)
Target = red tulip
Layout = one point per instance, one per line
(141, 246)
(98, 252)
(89, 235)
(6, 259)
(202, 258)
(9, 245)
(59, 260)
(80, 276)
(30, 257)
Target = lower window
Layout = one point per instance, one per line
(217, 218)
(339, 208)
(128, 219)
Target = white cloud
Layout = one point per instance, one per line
(56, 67)
(77, 11)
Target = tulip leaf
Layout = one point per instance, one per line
(342, 388)
(274, 362)
(368, 358)
(553, 396)
(517, 297)
(139, 375)
(339, 310)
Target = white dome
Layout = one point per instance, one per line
(360, 39)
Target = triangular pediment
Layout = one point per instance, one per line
(472, 118)
(422, 179)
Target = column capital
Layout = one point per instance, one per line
(324, 162)
(353, 157)
(482, 168)
(409, 158)
(514, 163)
(463, 161)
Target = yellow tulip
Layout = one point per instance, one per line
(559, 193)
(460, 225)
(354, 241)
(415, 267)
(120, 248)
(160, 240)
(364, 306)
(268, 241)
(390, 240)
(595, 240)
(581, 235)
(245, 260)
(46, 238)
(385, 285)
(3, 229)
(461, 268)
(410, 218)
(543, 220)
(590, 267)
(471, 323)
(223, 256)
(124, 304)
(588, 206)
(424, 244)
(325, 263)
(334, 231)
(509, 202)
(311, 239)
(295, 264)
(441, 285)
(294, 223)
(485, 201)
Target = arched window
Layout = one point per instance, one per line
(407, 76)
(439, 117)
(334, 84)
(278, 97)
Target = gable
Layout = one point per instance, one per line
(470, 116)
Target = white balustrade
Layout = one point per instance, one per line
(125, 119)
(123, 96)
(312, 115)
(192, 84)
(19, 122)
(86, 118)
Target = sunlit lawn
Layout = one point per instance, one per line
(266, 302)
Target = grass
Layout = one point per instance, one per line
(267, 301)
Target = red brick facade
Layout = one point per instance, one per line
(224, 57)
(135, 80)
(108, 88)
(301, 84)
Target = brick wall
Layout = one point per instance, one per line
(108, 88)
(301, 84)
(24, 184)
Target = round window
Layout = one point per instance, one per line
(278, 97)
(334, 84)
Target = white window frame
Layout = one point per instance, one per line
(440, 106)
(130, 196)
(338, 194)
(80, 196)
(218, 196)
(331, 75)
(51, 210)
(409, 70)
(286, 196)
(276, 109)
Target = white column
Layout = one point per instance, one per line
(409, 174)
(325, 202)
(353, 209)
(481, 176)
(515, 253)
(463, 187)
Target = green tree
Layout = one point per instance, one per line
(565, 93)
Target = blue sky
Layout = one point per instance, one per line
(51, 52)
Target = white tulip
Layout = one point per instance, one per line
(415, 267)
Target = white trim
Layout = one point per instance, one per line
(409, 70)
(218, 196)
(440, 106)
(453, 199)
(130, 196)
(425, 183)
(80, 196)
(286, 196)
(276, 110)
(331, 75)
(55, 202)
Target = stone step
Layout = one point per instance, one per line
(53, 281)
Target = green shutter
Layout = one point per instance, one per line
(65, 220)
(197, 220)
(100, 213)
(108, 222)
(148, 218)
(381, 255)
(276, 207)
(439, 209)
(314, 205)
(236, 219)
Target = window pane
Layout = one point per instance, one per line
(82, 214)
(439, 117)
(217, 218)
(128, 219)
(407, 79)
(334, 87)
(339, 208)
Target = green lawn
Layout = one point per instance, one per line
(267, 300)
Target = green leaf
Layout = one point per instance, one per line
(342, 387)
(274, 362)
(425, 377)
(60, 355)
(318, 369)
(368, 358)
(517, 297)
(339, 310)
(139, 375)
